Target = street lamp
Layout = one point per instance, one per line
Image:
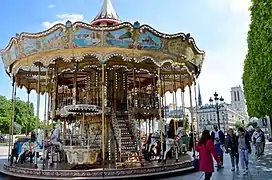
(218, 105)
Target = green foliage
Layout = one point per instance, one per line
(238, 124)
(24, 118)
(257, 76)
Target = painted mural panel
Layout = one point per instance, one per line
(86, 38)
(13, 52)
(119, 38)
(54, 41)
(31, 46)
(150, 41)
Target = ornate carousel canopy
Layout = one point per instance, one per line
(128, 46)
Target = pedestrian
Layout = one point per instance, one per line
(263, 142)
(218, 138)
(257, 141)
(244, 148)
(231, 146)
(206, 150)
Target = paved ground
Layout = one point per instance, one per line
(259, 169)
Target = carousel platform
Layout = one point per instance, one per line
(63, 170)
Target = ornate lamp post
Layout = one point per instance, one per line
(218, 105)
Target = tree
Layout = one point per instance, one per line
(257, 76)
(24, 118)
(238, 124)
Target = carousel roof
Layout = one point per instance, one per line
(107, 14)
(82, 47)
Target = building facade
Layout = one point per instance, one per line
(207, 117)
(229, 114)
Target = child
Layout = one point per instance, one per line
(244, 148)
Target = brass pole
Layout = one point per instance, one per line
(38, 109)
(45, 117)
(160, 113)
(174, 102)
(196, 106)
(103, 113)
(11, 128)
(192, 113)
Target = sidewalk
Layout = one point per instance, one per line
(259, 169)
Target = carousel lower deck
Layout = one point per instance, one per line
(127, 170)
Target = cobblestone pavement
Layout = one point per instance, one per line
(259, 169)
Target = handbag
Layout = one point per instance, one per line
(196, 163)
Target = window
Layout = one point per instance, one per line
(234, 96)
(238, 98)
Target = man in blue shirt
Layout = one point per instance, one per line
(218, 138)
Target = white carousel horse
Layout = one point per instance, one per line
(35, 148)
(172, 143)
(55, 142)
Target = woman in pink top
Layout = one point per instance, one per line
(206, 150)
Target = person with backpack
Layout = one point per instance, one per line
(257, 141)
(232, 148)
(244, 148)
(206, 149)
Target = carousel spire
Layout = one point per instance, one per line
(107, 15)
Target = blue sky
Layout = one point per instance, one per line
(218, 26)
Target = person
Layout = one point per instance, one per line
(218, 138)
(244, 148)
(257, 141)
(206, 150)
(231, 146)
(263, 142)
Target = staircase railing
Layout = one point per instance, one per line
(133, 127)
(116, 130)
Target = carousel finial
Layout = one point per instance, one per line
(107, 15)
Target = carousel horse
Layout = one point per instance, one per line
(152, 145)
(55, 144)
(29, 148)
(172, 143)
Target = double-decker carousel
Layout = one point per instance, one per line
(100, 81)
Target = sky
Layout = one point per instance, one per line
(219, 27)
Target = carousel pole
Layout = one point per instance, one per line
(174, 98)
(196, 106)
(45, 117)
(192, 118)
(103, 113)
(38, 110)
(160, 113)
(28, 106)
(11, 128)
(164, 99)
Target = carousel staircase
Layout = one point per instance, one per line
(128, 137)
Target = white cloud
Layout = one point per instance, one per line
(51, 6)
(62, 18)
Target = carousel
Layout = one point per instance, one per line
(100, 82)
